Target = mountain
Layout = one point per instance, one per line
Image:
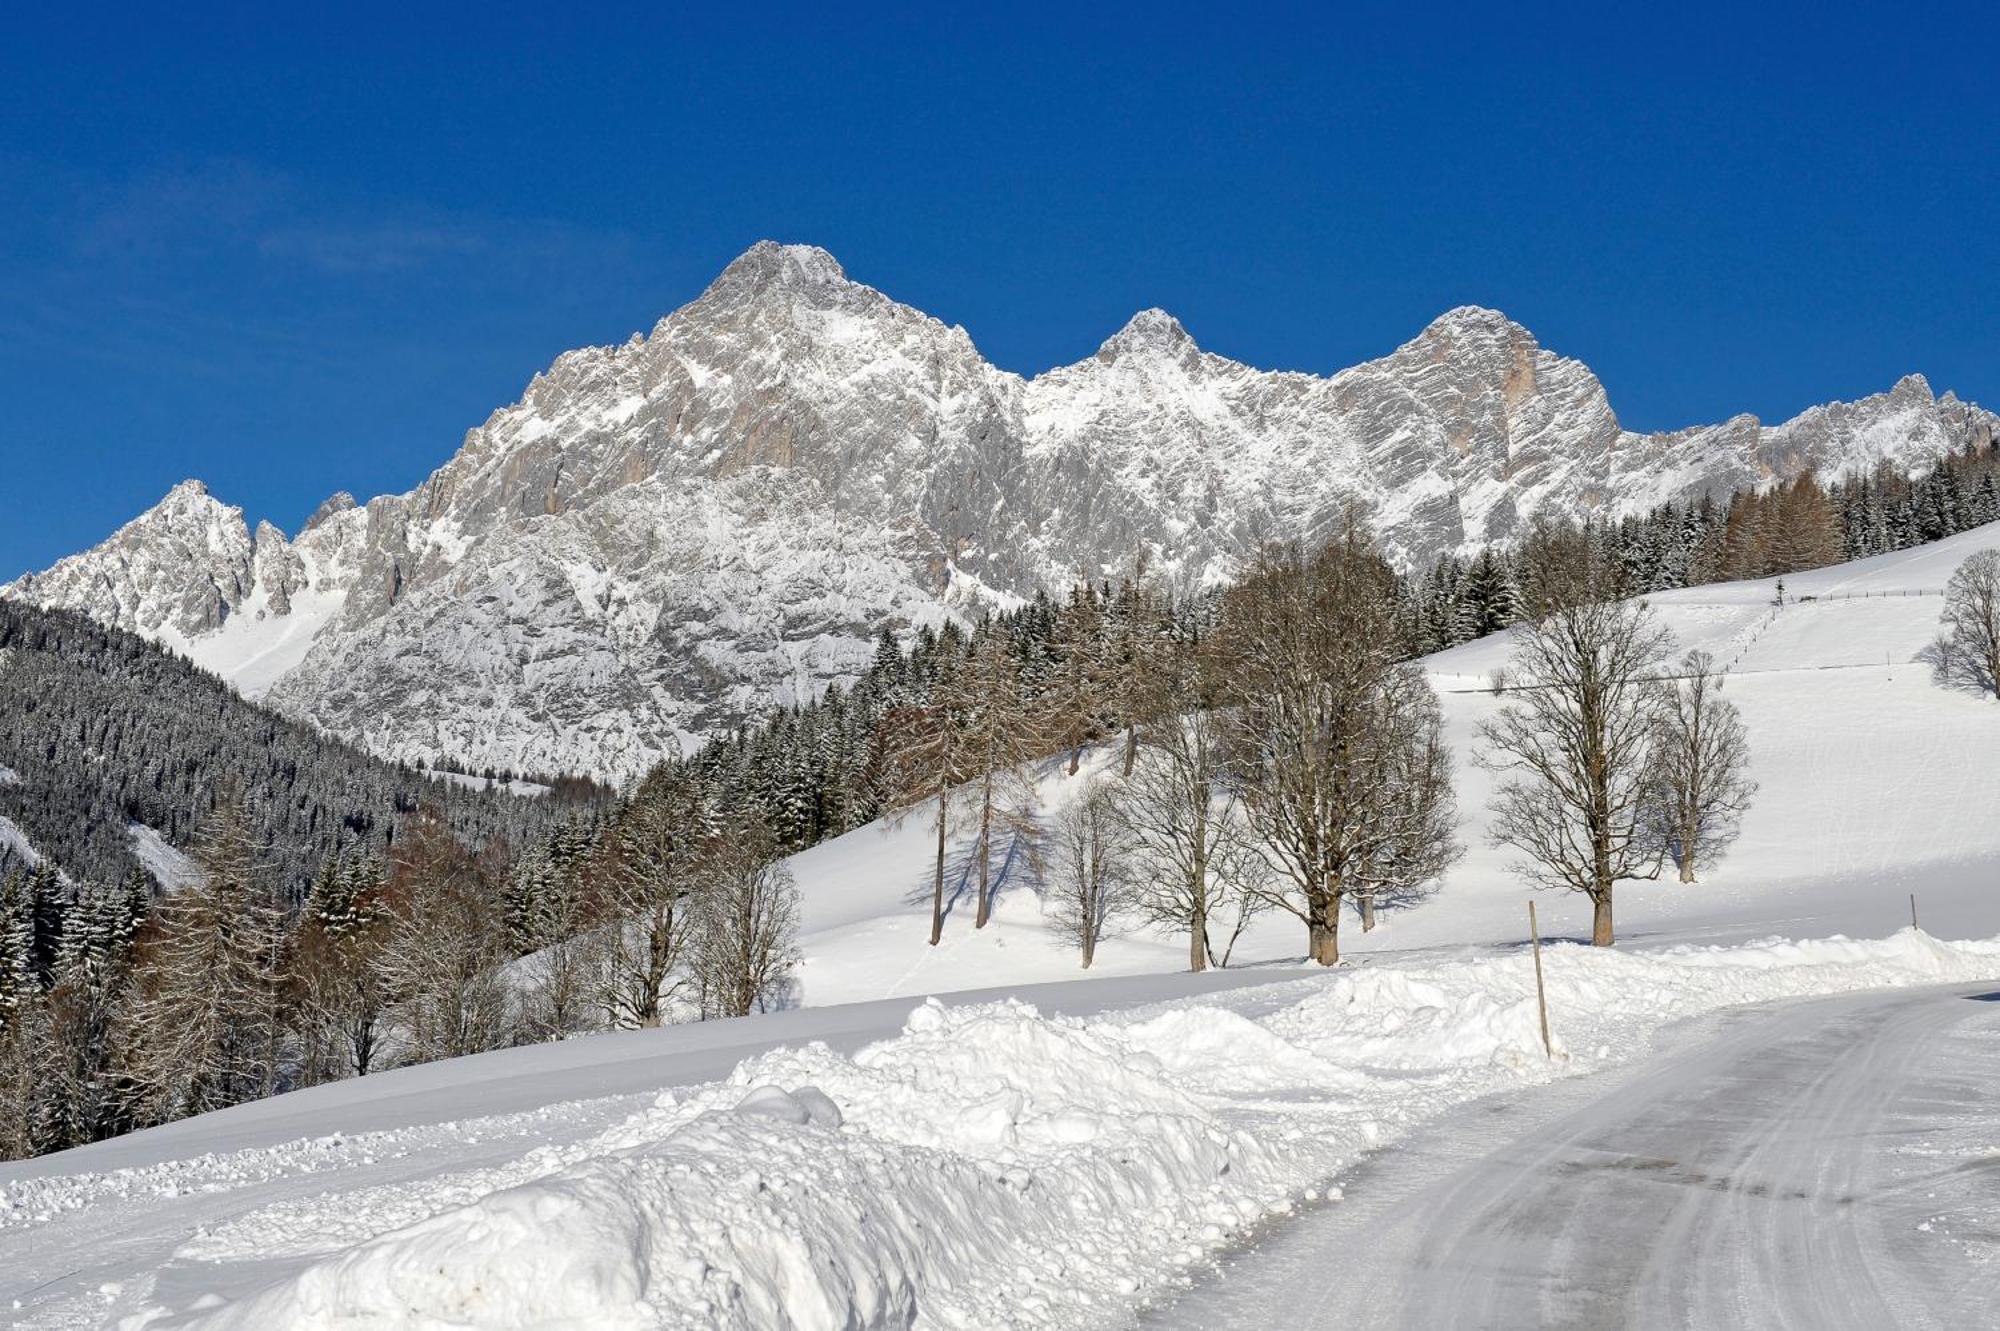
(663, 536)
(112, 750)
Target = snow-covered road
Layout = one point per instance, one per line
(1827, 1163)
(989, 1164)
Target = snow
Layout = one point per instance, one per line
(256, 647)
(170, 868)
(9, 777)
(1046, 1154)
(1677, 1192)
(524, 789)
(986, 1164)
(1875, 784)
(13, 837)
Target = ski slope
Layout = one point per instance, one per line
(1875, 784)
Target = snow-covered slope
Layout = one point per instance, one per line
(664, 535)
(991, 1163)
(1875, 784)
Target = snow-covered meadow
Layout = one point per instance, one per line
(1875, 784)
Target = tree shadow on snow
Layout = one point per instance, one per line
(1015, 862)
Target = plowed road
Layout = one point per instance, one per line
(1824, 1164)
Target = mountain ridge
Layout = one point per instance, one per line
(665, 535)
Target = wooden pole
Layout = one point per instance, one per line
(1913, 911)
(1541, 993)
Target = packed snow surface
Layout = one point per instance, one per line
(985, 1165)
(1677, 1193)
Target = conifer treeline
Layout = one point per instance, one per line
(1787, 529)
(100, 730)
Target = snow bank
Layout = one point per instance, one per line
(988, 1166)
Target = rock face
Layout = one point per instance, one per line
(664, 536)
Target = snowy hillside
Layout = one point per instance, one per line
(822, 1167)
(1875, 784)
(664, 536)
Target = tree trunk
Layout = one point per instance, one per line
(985, 849)
(1600, 920)
(1686, 858)
(1367, 901)
(1089, 946)
(1075, 757)
(1198, 939)
(1323, 929)
(1131, 747)
(937, 883)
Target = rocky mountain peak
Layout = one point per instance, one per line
(769, 269)
(1151, 332)
(1474, 332)
(1913, 388)
(338, 502)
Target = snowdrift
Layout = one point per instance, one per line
(986, 1166)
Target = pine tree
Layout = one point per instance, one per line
(18, 984)
(48, 910)
(1076, 702)
(203, 1033)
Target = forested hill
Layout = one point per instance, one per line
(100, 730)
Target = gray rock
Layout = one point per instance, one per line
(663, 537)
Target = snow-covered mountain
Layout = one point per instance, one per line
(662, 536)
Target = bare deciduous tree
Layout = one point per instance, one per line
(1967, 654)
(926, 756)
(1178, 810)
(748, 912)
(1001, 739)
(341, 1004)
(1575, 750)
(1700, 759)
(1345, 776)
(1088, 883)
(441, 961)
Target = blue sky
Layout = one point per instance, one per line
(297, 254)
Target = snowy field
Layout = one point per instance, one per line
(1875, 784)
(1062, 1156)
